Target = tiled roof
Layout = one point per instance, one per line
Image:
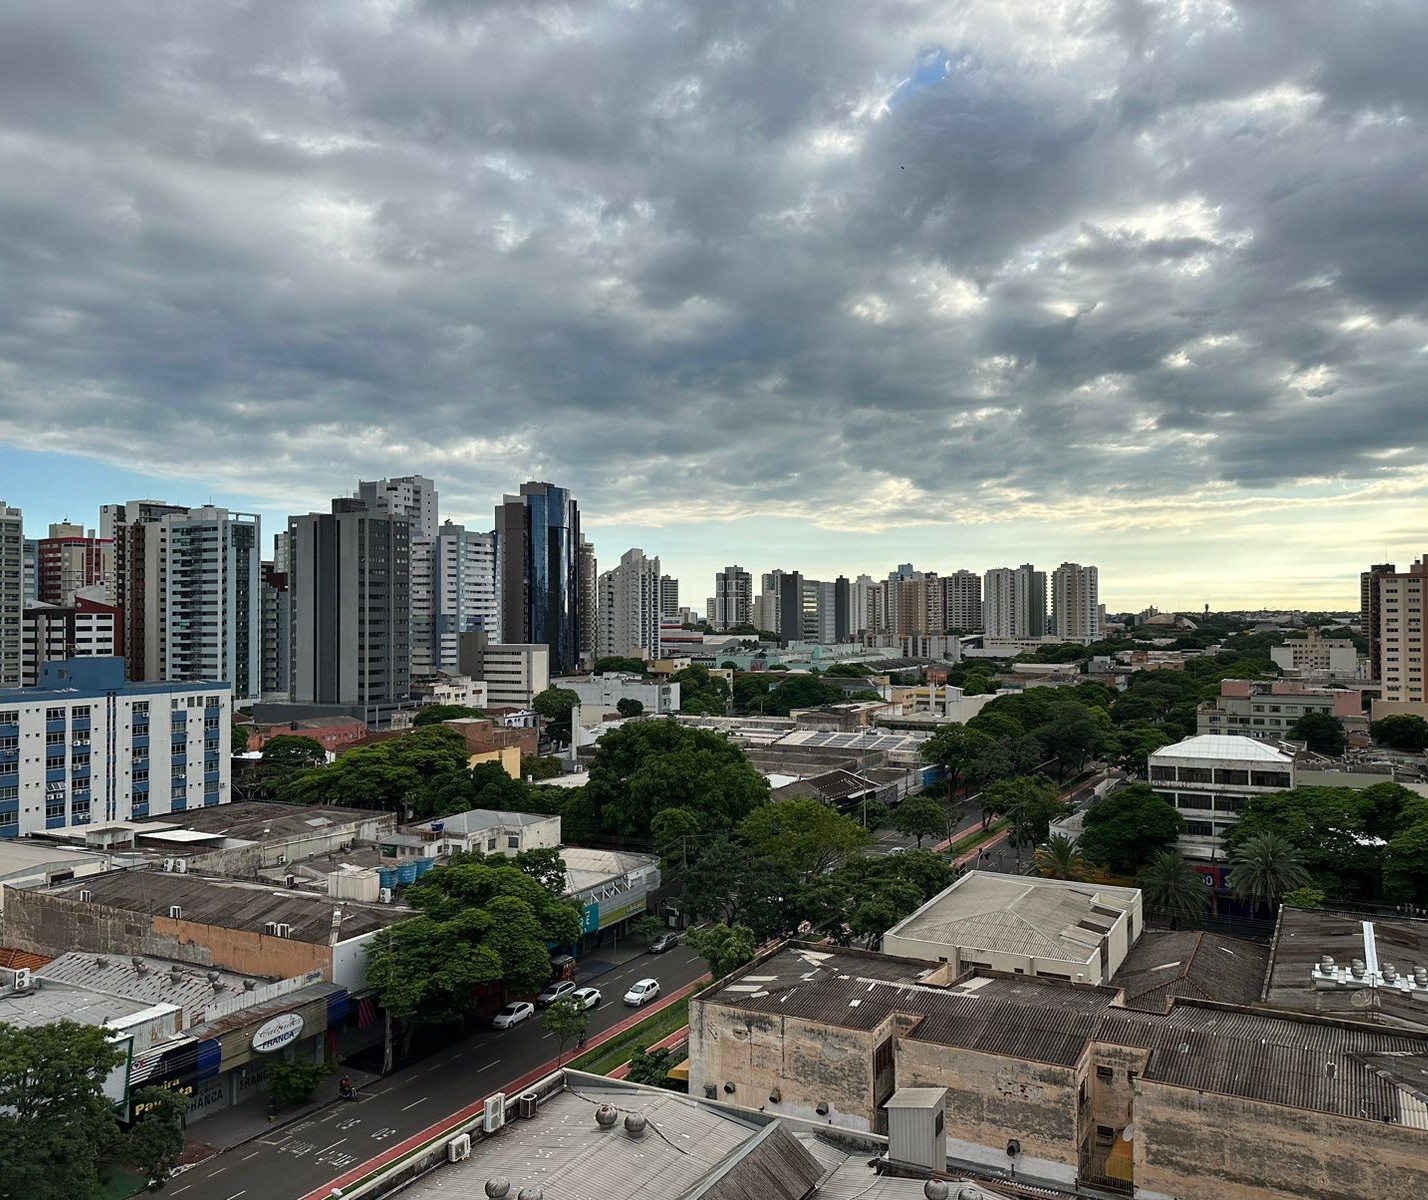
(19, 960)
(1197, 965)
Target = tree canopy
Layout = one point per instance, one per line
(802, 835)
(555, 705)
(723, 947)
(479, 923)
(645, 767)
(403, 772)
(435, 714)
(1403, 731)
(1322, 732)
(294, 749)
(614, 664)
(1127, 828)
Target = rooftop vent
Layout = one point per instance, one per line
(101, 962)
(175, 912)
(175, 974)
(606, 1116)
(530, 1193)
(249, 984)
(139, 965)
(498, 1188)
(935, 1189)
(634, 1126)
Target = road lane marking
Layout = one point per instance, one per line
(255, 1154)
(219, 1171)
(325, 1149)
(235, 1195)
(413, 1104)
(185, 1188)
(493, 1063)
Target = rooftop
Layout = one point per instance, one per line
(586, 869)
(1012, 914)
(477, 819)
(230, 904)
(58, 1002)
(1298, 1062)
(1224, 746)
(1195, 964)
(253, 820)
(147, 980)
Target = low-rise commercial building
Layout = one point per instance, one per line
(514, 673)
(486, 831)
(1315, 655)
(1269, 710)
(1210, 778)
(1079, 932)
(603, 693)
(1200, 1100)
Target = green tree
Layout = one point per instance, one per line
(801, 691)
(1173, 890)
(919, 817)
(1405, 863)
(154, 1142)
(1030, 802)
(803, 835)
(701, 693)
(554, 706)
(711, 885)
(295, 750)
(401, 773)
(295, 1083)
(435, 714)
(1127, 828)
(724, 948)
(649, 927)
(57, 1129)
(545, 866)
(671, 829)
(537, 767)
(628, 707)
(567, 1019)
(1322, 732)
(1305, 897)
(953, 747)
(1059, 858)
(614, 664)
(645, 767)
(1264, 867)
(238, 738)
(479, 924)
(1072, 735)
(650, 1067)
(1402, 731)
(874, 814)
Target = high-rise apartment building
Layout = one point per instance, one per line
(1402, 641)
(629, 606)
(275, 630)
(411, 496)
(668, 595)
(586, 604)
(539, 553)
(961, 598)
(123, 526)
(87, 628)
(733, 601)
(12, 554)
(1369, 611)
(463, 592)
(112, 750)
(1076, 602)
(69, 559)
(30, 571)
(862, 592)
(349, 582)
(1014, 602)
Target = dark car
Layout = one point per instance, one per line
(665, 941)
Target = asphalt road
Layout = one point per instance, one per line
(296, 1159)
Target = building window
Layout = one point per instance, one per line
(490, 844)
(1199, 828)
(513, 841)
(1105, 1073)
(1105, 1135)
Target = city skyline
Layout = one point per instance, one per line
(827, 286)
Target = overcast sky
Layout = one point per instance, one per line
(823, 286)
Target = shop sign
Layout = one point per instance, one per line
(277, 1033)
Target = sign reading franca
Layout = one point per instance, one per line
(277, 1033)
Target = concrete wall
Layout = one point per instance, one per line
(1190, 1144)
(44, 922)
(992, 1098)
(244, 862)
(808, 1064)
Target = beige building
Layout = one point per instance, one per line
(1201, 1101)
(1401, 633)
(1270, 710)
(514, 674)
(1315, 655)
(1023, 926)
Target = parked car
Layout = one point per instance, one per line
(642, 992)
(553, 992)
(665, 941)
(588, 996)
(513, 1014)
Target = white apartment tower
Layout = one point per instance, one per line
(628, 607)
(961, 601)
(463, 592)
(1401, 635)
(1014, 602)
(414, 498)
(410, 496)
(733, 602)
(1076, 602)
(12, 539)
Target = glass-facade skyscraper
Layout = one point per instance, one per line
(538, 555)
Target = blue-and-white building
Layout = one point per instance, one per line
(86, 747)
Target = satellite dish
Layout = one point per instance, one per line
(1128, 1133)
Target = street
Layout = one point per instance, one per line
(293, 1160)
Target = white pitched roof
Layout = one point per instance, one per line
(1225, 745)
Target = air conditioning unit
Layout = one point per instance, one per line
(85, 895)
(280, 929)
(23, 982)
(493, 1113)
(385, 895)
(168, 864)
(530, 1105)
(459, 1148)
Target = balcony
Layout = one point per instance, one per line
(140, 741)
(56, 726)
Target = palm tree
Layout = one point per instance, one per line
(1264, 867)
(1173, 890)
(1059, 858)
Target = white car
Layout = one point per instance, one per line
(513, 1014)
(589, 997)
(642, 992)
(554, 992)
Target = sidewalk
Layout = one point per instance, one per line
(234, 1126)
